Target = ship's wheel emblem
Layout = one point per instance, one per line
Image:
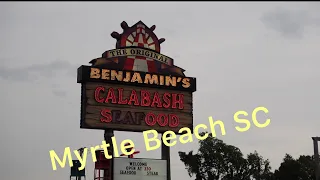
(138, 35)
(138, 49)
(140, 38)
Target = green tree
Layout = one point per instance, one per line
(258, 168)
(217, 160)
(302, 168)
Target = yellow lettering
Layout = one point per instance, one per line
(83, 160)
(167, 137)
(128, 77)
(245, 121)
(151, 80)
(218, 122)
(115, 147)
(196, 132)
(66, 153)
(254, 117)
(105, 74)
(95, 73)
(123, 147)
(171, 80)
(105, 150)
(116, 75)
(186, 82)
(136, 77)
(93, 153)
(147, 140)
(161, 80)
(188, 135)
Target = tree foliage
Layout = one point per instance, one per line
(216, 160)
(302, 168)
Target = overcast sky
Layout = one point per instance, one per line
(244, 55)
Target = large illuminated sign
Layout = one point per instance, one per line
(134, 87)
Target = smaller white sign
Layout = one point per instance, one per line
(139, 169)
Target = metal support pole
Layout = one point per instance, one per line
(107, 137)
(316, 156)
(80, 152)
(165, 155)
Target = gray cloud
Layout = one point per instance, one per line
(36, 71)
(59, 93)
(290, 23)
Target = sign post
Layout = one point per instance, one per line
(136, 88)
(128, 150)
(165, 155)
(108, 174)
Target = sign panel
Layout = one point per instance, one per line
(123, 108)
(134, 87)
(139, 169)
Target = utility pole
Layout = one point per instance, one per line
(316, 156)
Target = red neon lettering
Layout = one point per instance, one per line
(106, 116)
(156, 99)
(174, 120)
(97, 94)
(134, 97)
(111, 96)
(162, 120)
(166, 99)
(121, 101)
(175, 101)
(149, 121)
(145, 96)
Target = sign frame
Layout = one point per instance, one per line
(84, 105)
(165, 162)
